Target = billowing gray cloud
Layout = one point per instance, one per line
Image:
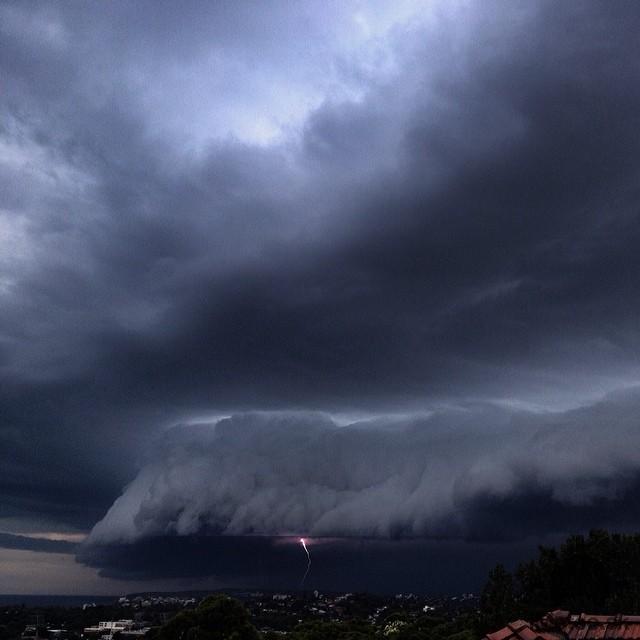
(385, 504)
(438, 476)
(349, 209)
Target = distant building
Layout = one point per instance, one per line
(109, 628)
(562, 625)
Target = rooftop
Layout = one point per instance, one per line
(563, 625)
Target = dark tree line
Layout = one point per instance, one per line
(599, 573)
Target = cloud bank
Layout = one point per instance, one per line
(29, 543)
(472, 473)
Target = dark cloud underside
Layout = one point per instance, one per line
(420, 566)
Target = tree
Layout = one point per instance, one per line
(599, 573)
(497, 601)
(216, 618)
(348, 630)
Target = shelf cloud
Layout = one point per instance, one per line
(453, 474)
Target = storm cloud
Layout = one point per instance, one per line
(345, 211)
(271, 475)
(354, 564)
(230, 499)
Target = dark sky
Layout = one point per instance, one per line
(366, 272)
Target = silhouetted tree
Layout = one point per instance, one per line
(599, 573)
(497, 601)
(216, 618)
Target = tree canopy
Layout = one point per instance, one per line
(217, 617)
(598, 573)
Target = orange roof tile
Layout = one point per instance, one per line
(561, 625)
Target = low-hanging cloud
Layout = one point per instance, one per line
(457, 473)
(32, 543)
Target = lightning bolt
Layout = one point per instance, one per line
(303, 542)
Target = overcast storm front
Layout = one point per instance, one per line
(365, 273)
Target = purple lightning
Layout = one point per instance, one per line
(303, 542)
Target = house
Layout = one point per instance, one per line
(563, 625)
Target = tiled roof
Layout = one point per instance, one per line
(521, 630)
(590, 627)
(561, 625)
